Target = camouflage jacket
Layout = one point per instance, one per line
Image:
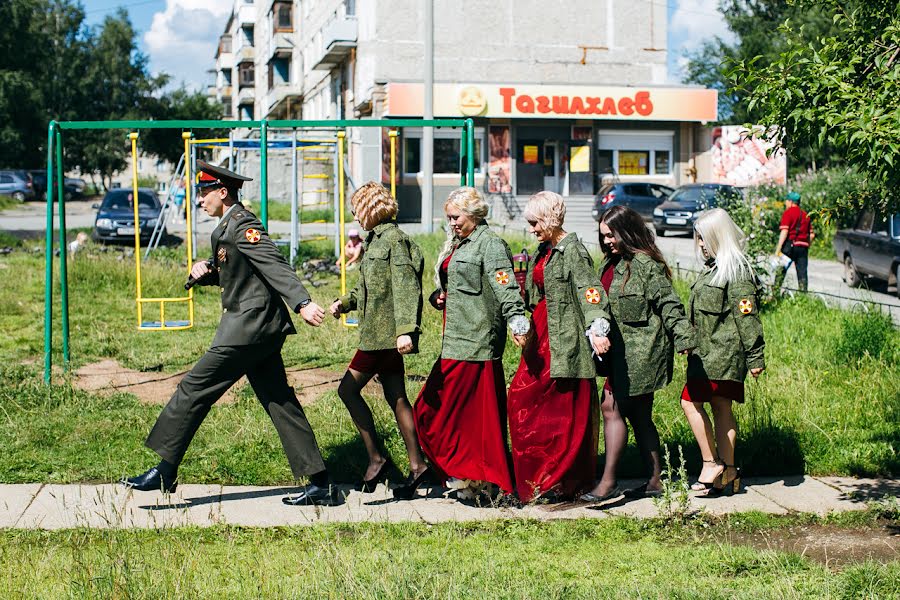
(388, 294)
(254, 277)
(729, 332)
(574, 299)
(482, 295)
(648, 319)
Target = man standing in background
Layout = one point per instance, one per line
(794, 240)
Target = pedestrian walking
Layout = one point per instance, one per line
(795, 236)
(256, 285)
(723, 308)
(553, 406)
(388, 296)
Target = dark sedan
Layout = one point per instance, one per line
(115, 215)
(681, 210)
(642, 197)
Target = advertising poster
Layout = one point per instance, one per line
(580, 162)
(741, 158)
(499, 181)
(530, 155)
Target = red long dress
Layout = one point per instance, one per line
(552, 421)
(461, 421)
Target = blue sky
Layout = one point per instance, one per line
(179, 36)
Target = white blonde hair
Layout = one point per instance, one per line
(548, 209)
(470, 202)
(724, 241)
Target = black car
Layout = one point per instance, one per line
(115, 215)
(642, 197)
(681, 210)
(870, 248)
(72, 187)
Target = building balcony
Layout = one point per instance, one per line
(281, 46)
(246, 54)
(224, 61)
(246, 95)
(338, 39)
(246, 15)
(224, 93)
(283, 102)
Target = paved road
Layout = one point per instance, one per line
(110, 506)
(825, 277)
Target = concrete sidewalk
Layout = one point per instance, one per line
(49, 506)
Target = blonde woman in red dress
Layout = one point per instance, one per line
(460, 413)
(553, 404)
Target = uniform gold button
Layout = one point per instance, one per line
(223, 290)
(224, 310)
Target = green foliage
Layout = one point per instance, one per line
(674, 504)
(866, 334)
(839, 89)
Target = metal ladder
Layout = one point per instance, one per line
(168, 207)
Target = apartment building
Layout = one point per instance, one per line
(563, 95)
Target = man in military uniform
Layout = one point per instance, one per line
(256, 282)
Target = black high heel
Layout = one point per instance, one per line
(728, 488)
(408, 490)
(368, 485)
(702, 486)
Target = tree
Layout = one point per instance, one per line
(841, 89)
(178, 104)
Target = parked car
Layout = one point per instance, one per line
(871, 248)
(73, 188)
(115, 215)
(681, 210)
(17, 184)
(642, 197)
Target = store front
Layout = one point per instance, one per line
(567, 139)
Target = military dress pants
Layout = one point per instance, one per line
(211, 377)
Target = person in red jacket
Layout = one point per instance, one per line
(794, 240)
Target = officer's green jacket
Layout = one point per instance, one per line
(648, 319)
(388, 293)
(255, 279)
(482, 295)
(729, 332)
(574, 299)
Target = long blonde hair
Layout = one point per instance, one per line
(724, 242)
(469, 201)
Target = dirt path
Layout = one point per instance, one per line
(108, 377)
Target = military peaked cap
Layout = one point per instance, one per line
(211, 175)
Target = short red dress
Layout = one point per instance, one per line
(380, 362)
(553, 422)
(460, 418)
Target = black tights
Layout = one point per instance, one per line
(394, 386)
(638, 410)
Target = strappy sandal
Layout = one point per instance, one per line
(702, 486)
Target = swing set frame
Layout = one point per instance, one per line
(56, 179)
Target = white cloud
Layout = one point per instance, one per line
(182, 39)
(691, 23)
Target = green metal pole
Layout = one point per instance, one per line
(470, 139)
(48, 261)
(263, 174)
(463, 145)
(63, 248)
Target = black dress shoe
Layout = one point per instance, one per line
(150, 481)
(408, 490)
(368, 485)
(594, 498)
(313, 494)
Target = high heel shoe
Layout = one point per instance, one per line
(368, 485)
(702, 486)
(408, 490)
(729, 487)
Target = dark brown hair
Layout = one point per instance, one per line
(632, 237)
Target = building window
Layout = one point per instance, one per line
(226, 108)
(634, 162)
(225, 44)
(661, 162)
(279, 72)
(446, 151)
(160, 166)
(350, 8)
(246, 74)
(282, 14)
(247, 36)
(246, 112)
(226, 76)
(161, 187)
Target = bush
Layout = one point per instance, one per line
(865, 333)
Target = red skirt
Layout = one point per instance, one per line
(378, 362)
(553, 423)
(699, 389)
(461, 421)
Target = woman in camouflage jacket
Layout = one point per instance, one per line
(648, 319)
(723, 308)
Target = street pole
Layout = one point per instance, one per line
(428, 132)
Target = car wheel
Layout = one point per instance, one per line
(660, 232)
(851, 275)
(897, 278)
(18, 196)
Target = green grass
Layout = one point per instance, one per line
(814, 411)
(281, 211)
(607, 558)
(7, 202)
